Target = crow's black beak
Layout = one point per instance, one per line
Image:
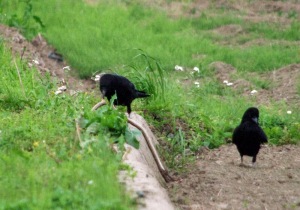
(255, 119)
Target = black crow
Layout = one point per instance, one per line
(111, 84)
(248, 136)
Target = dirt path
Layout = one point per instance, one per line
(217, 181)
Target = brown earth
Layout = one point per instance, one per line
(38, 50)
(283, 82)
(215, 180)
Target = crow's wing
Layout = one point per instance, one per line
(248, 130)
(236, 135)
(261, 135)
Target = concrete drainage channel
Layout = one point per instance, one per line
(149, 180)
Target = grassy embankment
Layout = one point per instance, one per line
(43, 163)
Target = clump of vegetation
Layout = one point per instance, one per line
(23, 18)
(281, 129)
(107, 122)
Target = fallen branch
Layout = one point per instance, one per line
(20, 79)
(160, 166)
(98, 105)
(78, 132)
(51, 155)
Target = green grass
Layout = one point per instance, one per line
(102, 36)
(43, 165)
(271, 31)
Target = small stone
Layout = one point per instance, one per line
(140, 194)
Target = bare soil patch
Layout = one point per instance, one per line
(283, 83)
(36, 53)
(229, 30)
(217, 181)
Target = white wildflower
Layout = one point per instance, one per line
(97, 77)
(289, 112)
(90, 182)
(67, 68)
(253, 92)
(229, 84)
(196, 69)
(178, 68)
(62, 88)
(197, 84)
(58, 92)
(36, 62)
(225, 81)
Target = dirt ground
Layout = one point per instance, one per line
(215, 180)
(36, 53)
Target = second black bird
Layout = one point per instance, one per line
(125, 90)
(248, 136)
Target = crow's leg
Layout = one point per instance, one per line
(242, 163)
(128, 109)
(253, 161)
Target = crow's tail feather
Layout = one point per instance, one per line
(141, 94)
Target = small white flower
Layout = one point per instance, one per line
(178, 68)
(253, 92)
(58, 92)
(229, 84)
(67, 68)
(196, 69)
(97, 77)
(225, 81)
(90, 182)
(289, 112)
(62, 88)
(197, 84)
(36, 62)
